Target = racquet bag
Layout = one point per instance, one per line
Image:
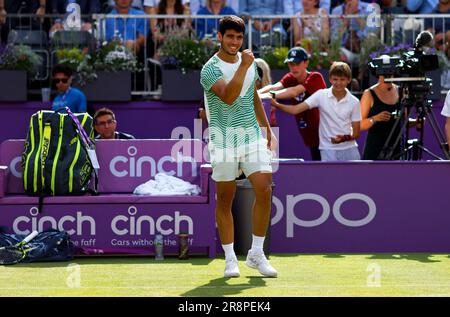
(55, 159)
(48, 246)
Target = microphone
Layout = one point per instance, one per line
(425, 38)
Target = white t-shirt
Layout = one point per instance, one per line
(336, 117)
(230, 126)
(446, 108)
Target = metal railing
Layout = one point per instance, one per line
(387, 30)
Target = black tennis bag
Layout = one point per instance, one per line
(49, 245)
(55, 160)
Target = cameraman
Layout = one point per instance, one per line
(377, 104)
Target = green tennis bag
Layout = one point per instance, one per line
(55, 160)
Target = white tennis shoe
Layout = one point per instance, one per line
(231, 268)
(257, 260)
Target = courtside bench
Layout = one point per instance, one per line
(116, 221)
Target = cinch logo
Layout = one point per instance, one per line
(293, 200)
(15, 166)
(121, 166)
(72, 225)
(132, 225)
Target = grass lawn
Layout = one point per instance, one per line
(298, 275)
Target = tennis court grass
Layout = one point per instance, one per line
(299, 275)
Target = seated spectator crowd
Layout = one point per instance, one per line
(309, 21)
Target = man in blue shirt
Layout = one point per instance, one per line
(264, 27)
(210, 26)
(67, 96)
(420, 6)
(132, 31)
(355, 29)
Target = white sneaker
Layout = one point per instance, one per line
(257, 260)
(231, 268)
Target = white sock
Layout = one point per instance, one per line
(229, 250)
(258, 243)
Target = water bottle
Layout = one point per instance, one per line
(159, 247)
(183, 251)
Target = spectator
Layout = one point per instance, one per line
(87, 8)
(446, 113)
(105, 125)
(24, 6)
(311, 28)
(377, 105)
(298, 85)
(440, 27)
(161, 26)
(265, 79)
(132, 31)
(209, 26)
(67, 96)
(421, 6)
(195, 5)
(340, 116)
(264, 28)
(16, 7)
(291, 7)
(354, 29)
(135, 4)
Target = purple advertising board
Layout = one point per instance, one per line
(161, 120)
(318, 207)
(361, 207)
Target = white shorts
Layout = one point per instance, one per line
(350, 154)
(251, 158)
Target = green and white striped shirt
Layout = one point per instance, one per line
(230, 126)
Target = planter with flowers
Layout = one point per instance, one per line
(320, 58)
(16, 63)
(106, 74)
(182, 56)
(274, 57)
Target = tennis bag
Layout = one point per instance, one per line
(55, 160)
(49, 245)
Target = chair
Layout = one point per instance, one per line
(81, 39)
(33, 38)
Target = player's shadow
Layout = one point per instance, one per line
(219, 287)
(420, 257)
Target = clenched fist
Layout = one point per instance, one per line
(247, 58)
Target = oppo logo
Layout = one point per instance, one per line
(132, 166)
(293, 201)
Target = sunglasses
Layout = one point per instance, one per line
(61, 80)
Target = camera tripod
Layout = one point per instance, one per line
(413, 148)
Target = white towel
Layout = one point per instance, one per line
(166, 185)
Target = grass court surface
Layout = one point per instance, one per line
(414, 274)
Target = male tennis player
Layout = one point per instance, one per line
(235, 114)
